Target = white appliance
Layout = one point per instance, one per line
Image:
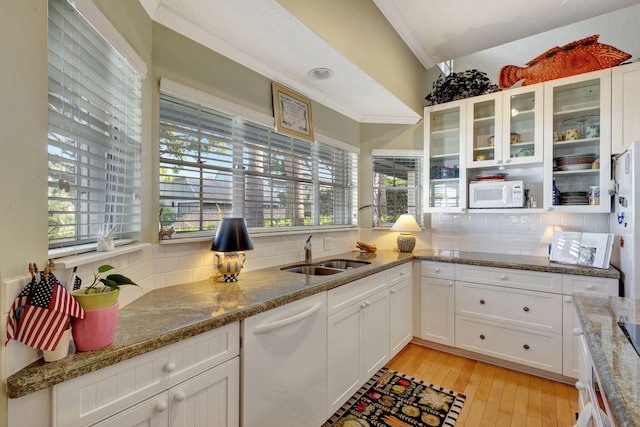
(496, 194)
(626, 248)
(284, 375)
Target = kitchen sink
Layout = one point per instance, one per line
(325, 268)
(343, 264)
(313, 270)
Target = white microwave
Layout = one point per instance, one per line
(496, 194)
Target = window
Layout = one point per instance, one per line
(94, 144)
(215, 165)
(397, 187)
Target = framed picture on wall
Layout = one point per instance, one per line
(292, 112)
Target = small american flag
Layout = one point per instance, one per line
(41, 313)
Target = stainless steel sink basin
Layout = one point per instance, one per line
(325, 268)
(313, 270)
(343, 264)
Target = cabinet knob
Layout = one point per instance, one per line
(450, 283)
(504, 277)
(568, 299)
(437, 270)
(525, 308)
(179, 396)
(363, 305)
(580, 386)
(170, 367)
(526, 346)
(482, 301)
(161, 406)
(393, 291)
(577, 332)
(481, 336)
(590, 287)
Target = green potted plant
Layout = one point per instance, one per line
(100, 303)
(95, 296)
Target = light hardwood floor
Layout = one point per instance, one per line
(496, 396)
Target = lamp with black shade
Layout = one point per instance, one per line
(405, 224)
(231, 239)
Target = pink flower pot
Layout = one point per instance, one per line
(97, 328)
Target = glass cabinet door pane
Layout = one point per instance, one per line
(522, 125)
(576, 142)
(444, 135)
(484, 131)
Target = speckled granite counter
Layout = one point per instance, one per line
(169, 315)
(614, 358)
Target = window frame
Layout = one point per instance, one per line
(321, 144)
(418, 210)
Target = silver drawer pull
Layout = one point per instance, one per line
(525, 308)
(526, 346)
(481, 336)
(481, 301)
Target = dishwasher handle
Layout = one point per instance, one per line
(268, 327)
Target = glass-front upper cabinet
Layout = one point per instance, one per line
(445, 165)
(578, 143)
(505, 128)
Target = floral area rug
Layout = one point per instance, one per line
(392, 399)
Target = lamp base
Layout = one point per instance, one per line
(406, 242)
(229, 265)
(229, 278)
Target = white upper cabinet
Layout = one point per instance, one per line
(505, 128)
(446, 189)
(577, 138)
(625, 107)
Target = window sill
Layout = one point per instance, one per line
(262, 233)
(89, 257)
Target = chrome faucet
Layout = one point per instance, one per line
(307, 251)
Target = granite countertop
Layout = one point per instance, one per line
(166, 316)
(615, 361)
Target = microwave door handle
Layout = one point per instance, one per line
(504, 194)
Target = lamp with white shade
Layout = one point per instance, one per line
(405, 224)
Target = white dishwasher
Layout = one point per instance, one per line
(284, 365)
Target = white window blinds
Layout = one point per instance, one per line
(95, 115)
(214, 165)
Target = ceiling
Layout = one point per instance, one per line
(265, 37)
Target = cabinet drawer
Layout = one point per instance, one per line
(89, 398)
(522, 279)
(438, 270)
(538, 310)
(541, 350)
(351, 293)
(572, 283)
(399, 274)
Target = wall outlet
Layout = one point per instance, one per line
(327, 243)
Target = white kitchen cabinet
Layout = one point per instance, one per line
(625, 108)
(357, 336)
(209, 399)
(514, 315)
(400, 308)
(577, 102)
(285, 365)
(505, 128)
(570, 284)
(437, 302)
(445, 162)
(168, 373)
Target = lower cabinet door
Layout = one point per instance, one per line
(343, 356)
(153, 412)
(211, 399)
(400, 316)
(375, 333)
(437, 310)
